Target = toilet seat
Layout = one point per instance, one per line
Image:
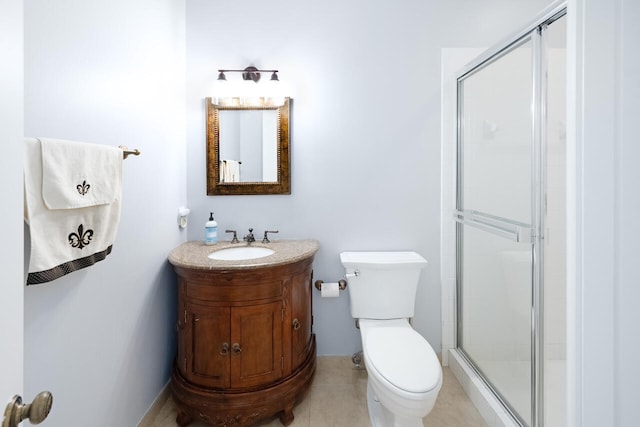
(403, 358)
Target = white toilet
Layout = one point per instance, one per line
(404, 374)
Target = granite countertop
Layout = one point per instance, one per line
(194, 254)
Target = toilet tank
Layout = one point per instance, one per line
(382, 285)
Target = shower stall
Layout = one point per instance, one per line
(510, 221)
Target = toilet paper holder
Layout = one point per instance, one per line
(342, 284)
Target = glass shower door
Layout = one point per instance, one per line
(495, 214)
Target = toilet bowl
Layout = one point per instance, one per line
(404, 373)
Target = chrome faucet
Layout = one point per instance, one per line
(249, 237)
(266, 238)
(235, 236)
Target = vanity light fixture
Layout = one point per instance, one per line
(249, 73)
(270, 92)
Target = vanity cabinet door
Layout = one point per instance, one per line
(256, 344)
(182, 326)
(208, 346)
(301, 317)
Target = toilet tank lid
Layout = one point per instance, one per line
(383, 260)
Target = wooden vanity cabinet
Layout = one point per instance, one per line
(232, 347)
(246, 351)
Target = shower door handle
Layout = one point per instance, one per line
(512, 230)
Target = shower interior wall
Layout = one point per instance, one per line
(510, 344)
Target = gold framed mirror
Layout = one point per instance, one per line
(248, 147)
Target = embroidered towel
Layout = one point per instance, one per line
(72, 205)
(77, 175)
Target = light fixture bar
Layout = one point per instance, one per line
(245, 70)
(249, 73)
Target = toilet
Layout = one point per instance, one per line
(404, 373)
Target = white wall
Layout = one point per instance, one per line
(111, 72)
(627, 348)
(365, 127)
(102, 339)
(604, 106)
(11, 122)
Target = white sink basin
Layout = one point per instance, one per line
(238, 254)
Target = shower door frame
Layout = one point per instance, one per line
(518, 232)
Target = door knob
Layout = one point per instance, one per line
(236, 348)
(35, 412)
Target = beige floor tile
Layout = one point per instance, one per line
(335, 370)
(167, 415)
(338, 398)
(453, 408)
(343, 405)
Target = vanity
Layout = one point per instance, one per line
(246, 350)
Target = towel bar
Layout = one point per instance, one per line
(126, 152)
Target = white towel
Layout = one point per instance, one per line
(72, 205)
(222, 170)
(230, 171)
(77, 175)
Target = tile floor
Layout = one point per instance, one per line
(337, 398)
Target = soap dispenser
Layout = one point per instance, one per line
(211, 231)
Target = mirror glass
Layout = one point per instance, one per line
(250, 135)
(248, 147)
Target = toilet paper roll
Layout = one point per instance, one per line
(330, 290)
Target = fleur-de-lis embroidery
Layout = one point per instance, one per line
(80, 239)
(83, 188)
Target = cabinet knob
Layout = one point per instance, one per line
(296, 324)
(225, 349)
(236, 348)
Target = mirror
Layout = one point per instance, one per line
(248, 147)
